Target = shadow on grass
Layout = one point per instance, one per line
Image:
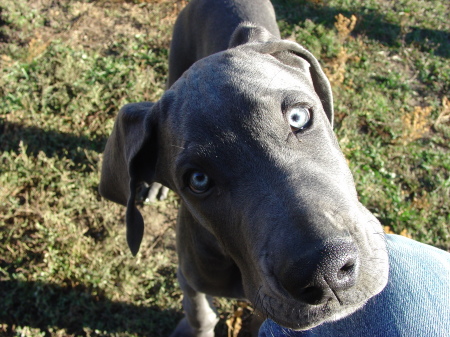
(370, 23)
(78, 311)
(53, 143)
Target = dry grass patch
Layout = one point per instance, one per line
(416, 124)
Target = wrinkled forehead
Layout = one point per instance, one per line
(235, 90)
(243, 74)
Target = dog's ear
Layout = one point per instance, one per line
(287, 52)
(259, 39)
(129, 160)
(320, 81)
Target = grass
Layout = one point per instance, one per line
(65, 69)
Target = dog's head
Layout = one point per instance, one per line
(245, 138)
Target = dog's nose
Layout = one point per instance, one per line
(318, 276)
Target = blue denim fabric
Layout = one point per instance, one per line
(415, 302)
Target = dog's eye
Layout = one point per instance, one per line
(199, 182)
(298, 117)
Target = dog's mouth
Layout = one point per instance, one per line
(295, 315)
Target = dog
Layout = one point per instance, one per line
(243, 134)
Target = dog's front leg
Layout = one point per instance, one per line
(200, 314)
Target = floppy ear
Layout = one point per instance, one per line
(129, 160)
(320, 81)
(259, 39)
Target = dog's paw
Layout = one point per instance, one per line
(156, 192)
(151, 193)
(183, 329)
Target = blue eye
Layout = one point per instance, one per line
(298, 117)
(199, 182)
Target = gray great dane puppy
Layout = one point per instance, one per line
(244, 136)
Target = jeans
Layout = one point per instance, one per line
(415, 302)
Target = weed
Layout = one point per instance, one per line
(345, 26)
(415, 124)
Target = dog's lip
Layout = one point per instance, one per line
(296, 315)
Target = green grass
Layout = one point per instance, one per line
(67, 67)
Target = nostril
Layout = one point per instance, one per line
(347, 270)
(349, 266)
(340, 264)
